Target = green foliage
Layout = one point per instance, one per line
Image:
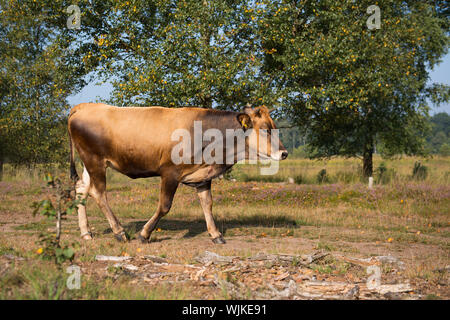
(300, 179)
(322, 176)
(51, 248)
(444, 150)
(345, 87)
(420, 171)
(441, 123)
(348, 87)
(37, 74)
(440, 133)
(384, 174)
(301, 152)
(176, 53)
(228, 175)
(382, 169)
(290, 136)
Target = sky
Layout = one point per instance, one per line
(440, 74)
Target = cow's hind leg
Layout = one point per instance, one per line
(204, 194)
(168, 188)
(98, 192)
(82, 188)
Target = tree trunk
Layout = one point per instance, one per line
(1, 169)
(367, 160)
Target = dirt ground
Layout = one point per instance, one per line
(322, 248)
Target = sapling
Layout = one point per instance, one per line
(59, 203)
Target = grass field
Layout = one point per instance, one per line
(402, 216)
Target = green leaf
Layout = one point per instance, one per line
(69, 253)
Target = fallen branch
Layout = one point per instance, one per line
(111, 258)
(211, 257)
(302, 259)
(394, 288)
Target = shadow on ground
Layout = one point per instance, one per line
(198, 226)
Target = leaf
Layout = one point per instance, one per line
(59, 251)
(69, 253)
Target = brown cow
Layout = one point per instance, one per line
(138, 142)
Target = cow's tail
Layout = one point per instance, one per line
(73, 170)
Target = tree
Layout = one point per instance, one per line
(441, 122)
(438, 140)
(440, 132)
(176, 53)
(37, 73)
(445, 149)
(290, 135)
(349, 87)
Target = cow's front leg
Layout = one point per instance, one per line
(168, 188)
(204, 194)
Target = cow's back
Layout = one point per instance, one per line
(134, 140)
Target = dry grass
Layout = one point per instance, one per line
(404, 217)
(348, 170)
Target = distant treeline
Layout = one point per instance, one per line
(437, 141)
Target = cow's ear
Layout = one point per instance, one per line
(245, 121)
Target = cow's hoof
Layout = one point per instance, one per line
(143, 240)
(121, 237)
(86, 236)
(219, 240)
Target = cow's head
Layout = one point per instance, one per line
(262, 140)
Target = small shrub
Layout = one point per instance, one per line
(322, 176)
(420, 172)
(228, 175)
(58, 204)
(385, 175)
(382, 169)
(300, 179)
